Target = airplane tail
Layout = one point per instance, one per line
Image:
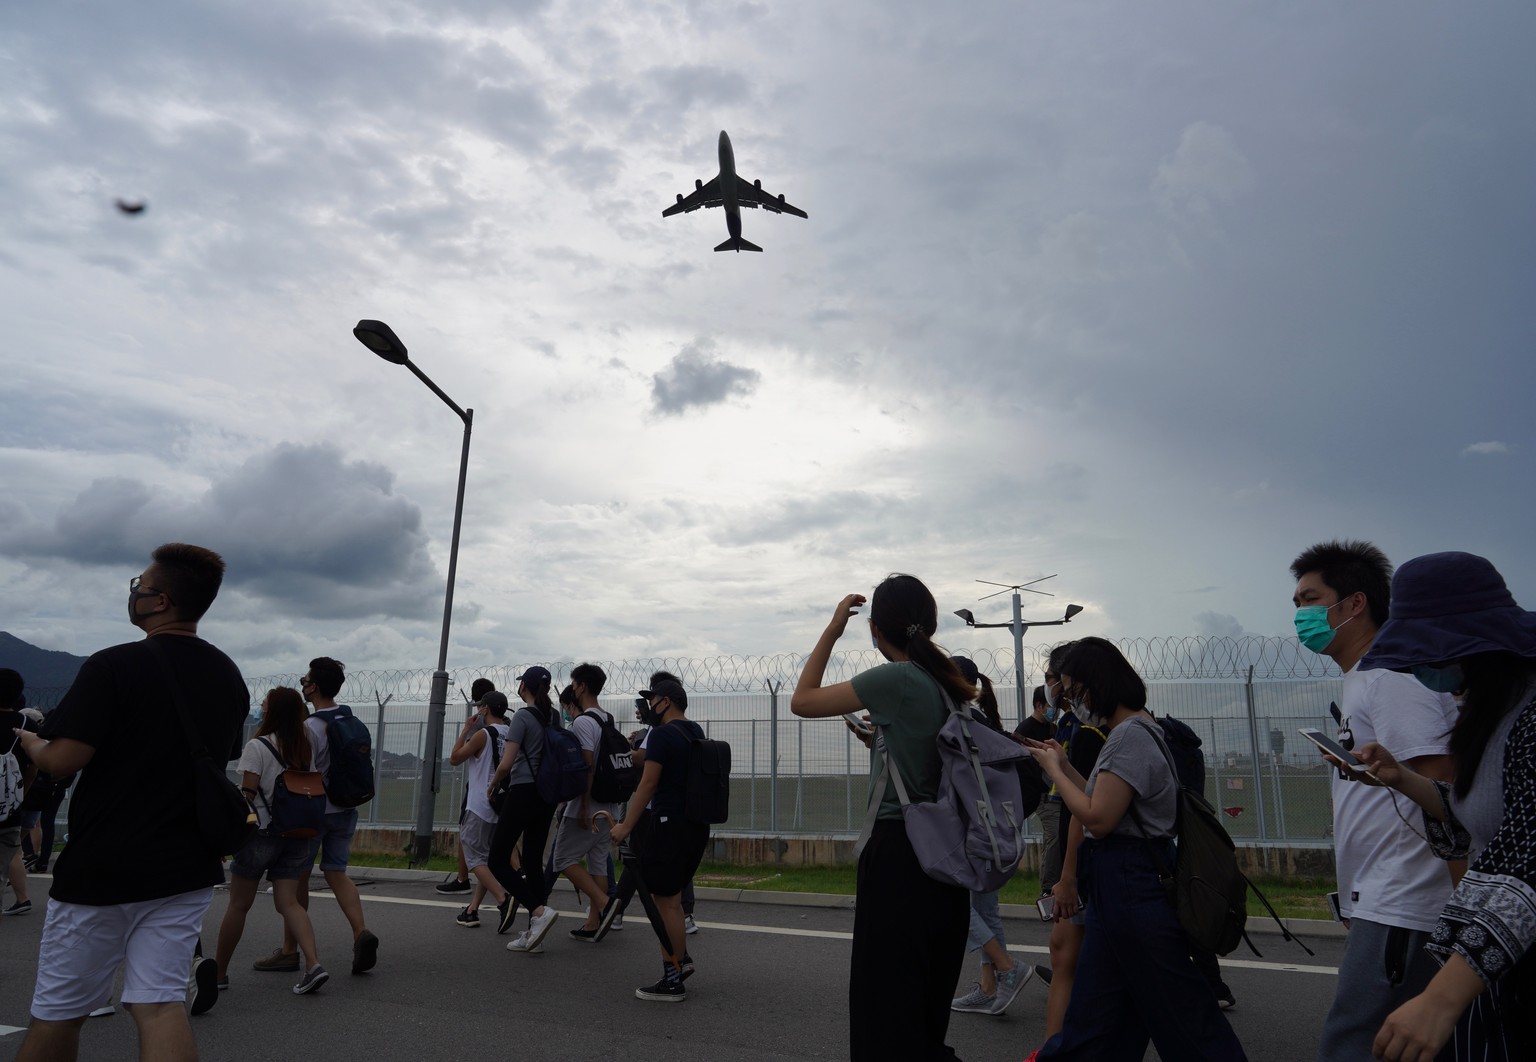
(737, 244)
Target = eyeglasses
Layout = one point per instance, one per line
(137, 581)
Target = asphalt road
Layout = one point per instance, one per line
(771, 985)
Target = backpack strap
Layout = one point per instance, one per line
(278, 756)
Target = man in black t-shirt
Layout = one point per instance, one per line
(674, 845)
(134, 879)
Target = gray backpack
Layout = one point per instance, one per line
(973, 834)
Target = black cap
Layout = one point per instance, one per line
(672, 691)
(494, 701)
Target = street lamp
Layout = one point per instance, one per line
(1018, 626)
(381, 339)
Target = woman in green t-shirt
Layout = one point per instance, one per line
(904, 969)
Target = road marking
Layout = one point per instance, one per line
(6, 1030)
(833, 934)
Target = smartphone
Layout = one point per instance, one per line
(1333, 907)
(1046, 905)
(1333, 748)
(858, 723)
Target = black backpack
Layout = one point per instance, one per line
(615, 774)
(561, 772)
(297, 807)
(707, 789)
(1208, 891)
(1184, 745)
(349, 778)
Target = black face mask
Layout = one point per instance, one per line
(643, 710)
(133, 600)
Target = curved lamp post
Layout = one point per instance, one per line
(1018, 626)
(381, 339)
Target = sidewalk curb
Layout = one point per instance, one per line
(1260, 925)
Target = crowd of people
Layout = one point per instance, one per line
(1437, 889)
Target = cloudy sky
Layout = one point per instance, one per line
(1150, 296)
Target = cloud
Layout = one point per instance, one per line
(1485, 449)
(301, 528)
(696, 377)
(1218, 625)
(1206, 170)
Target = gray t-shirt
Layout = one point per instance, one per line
(526, 730)
(1134, 755)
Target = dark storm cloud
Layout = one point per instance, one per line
(302, 529)
(696, 377)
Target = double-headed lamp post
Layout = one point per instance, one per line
(1018, 626)
(379, 338)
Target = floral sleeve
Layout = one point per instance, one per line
(1490, 919)
(1448, 838)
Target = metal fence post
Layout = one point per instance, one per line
(378, 760)
(773, 753)
(800, 775)
(848, 775)
(1253, 748)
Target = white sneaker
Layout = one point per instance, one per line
(522, 942)
(538, 926)
(690, 927)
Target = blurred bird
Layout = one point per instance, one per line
(131, 208)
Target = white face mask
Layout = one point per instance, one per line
(1051, 700)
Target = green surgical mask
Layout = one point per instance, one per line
(1312, 628)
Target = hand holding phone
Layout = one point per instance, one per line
(858, 723)
(1334, 749)
(1046, 905)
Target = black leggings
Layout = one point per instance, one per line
(908, 948)
(522, 815)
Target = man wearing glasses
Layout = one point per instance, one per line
(133, 882)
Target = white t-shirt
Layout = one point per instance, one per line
(589, 732)
(258, 759)
(322, 748)
(478, 771)
(1387, 873)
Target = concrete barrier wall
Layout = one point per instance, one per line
(834, 850)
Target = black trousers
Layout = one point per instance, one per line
(522, 815)
(908, 948)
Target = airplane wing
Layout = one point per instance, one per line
(751, 194)
(707, 195)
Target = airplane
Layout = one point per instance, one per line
(733, 193)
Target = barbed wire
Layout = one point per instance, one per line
(1162, 659)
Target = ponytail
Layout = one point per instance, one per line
(907, 616)
(987, 701)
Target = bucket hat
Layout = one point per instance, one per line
(1446, 606)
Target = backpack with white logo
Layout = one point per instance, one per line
(972, 835)
(615, 774)
(11, 791)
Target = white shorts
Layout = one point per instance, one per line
(83, 946)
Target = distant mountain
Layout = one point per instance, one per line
(42, 669)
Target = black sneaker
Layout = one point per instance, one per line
(663, 991)
(312, 980)
(468, 919)
(586, 936)
(205, 985)
(453, 886)
(611, 910)
(365, 956)
(1044, 973)
(686, 970)
(1226, 1001)
(20, 907)
(508, 910)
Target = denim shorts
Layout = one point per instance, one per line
(335, 841)
(280, 858)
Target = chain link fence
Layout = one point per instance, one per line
(1245, 697)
